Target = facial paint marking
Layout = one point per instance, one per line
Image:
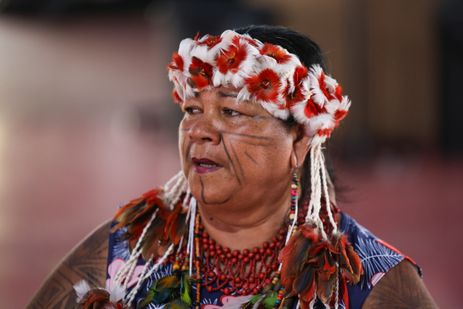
(253, 143)
(230, 159)
(237, 161)
(203, 197)
(237, 135)
(247, 135)
(250, 157)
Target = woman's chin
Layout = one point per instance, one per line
(209, 189)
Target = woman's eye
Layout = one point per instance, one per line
(191, 110)
(231, 112)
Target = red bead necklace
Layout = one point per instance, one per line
(238, 272)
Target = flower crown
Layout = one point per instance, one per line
(264, 73)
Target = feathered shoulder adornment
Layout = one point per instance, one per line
(152, 227)
(312, 264)
(167, 227)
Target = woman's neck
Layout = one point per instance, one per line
(247, 227)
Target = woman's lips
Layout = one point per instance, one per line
(204, 165)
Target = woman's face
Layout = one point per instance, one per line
(232, 152)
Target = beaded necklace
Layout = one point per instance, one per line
(234, 272)
(240, 272)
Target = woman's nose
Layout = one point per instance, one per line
(205, 131)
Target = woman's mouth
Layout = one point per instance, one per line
(204, 165)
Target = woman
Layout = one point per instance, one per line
(251, 220)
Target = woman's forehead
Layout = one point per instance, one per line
(228, 93)
(227, 88)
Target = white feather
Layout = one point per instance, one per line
(298, 113)
(273, 109)
(185, 47)
(82, 288)
(117, 292)
(236, 80)
(322, 121)
(228, 35)
(332, 106)
(330, 83)
(345, 103)
(201, 52)
(317, 140)
(318, 96)
(316, 70)
(218, 78)
(189, 92)
(243, 95)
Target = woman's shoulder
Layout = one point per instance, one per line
(390, 280)
(377, 256)
(401, 287)
(87, 260)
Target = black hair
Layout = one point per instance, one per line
(309, 53)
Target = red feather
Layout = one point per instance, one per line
(313, 109)
(230, 59)
(176, 63)
(210, 41)
(99, 299)
(325, 132)
(176, 97)
(201, 73)
(338, 92)
(339, 115)
(276, 52)
(265, 85)
(296, 96)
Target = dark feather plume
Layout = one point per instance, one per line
(311, 265)
(167, 228)
(99, 299)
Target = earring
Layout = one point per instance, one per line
(294, 161)
(294, 189)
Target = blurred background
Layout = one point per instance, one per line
(87, 122)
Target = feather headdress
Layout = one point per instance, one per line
(264, 73)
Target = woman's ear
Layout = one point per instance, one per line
(300, 147)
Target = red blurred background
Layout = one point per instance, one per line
(87, 123)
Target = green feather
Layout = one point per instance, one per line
(165, 289)
(256, 298)
(169, 282)
(185, 290)
(270, 300)
(250, 304)
(148, 299)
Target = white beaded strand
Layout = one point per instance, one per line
(146, 273)
(131, 295)
(174, 189)
(313, 213)
(191, 231)
(327, 195)
(126, 271)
